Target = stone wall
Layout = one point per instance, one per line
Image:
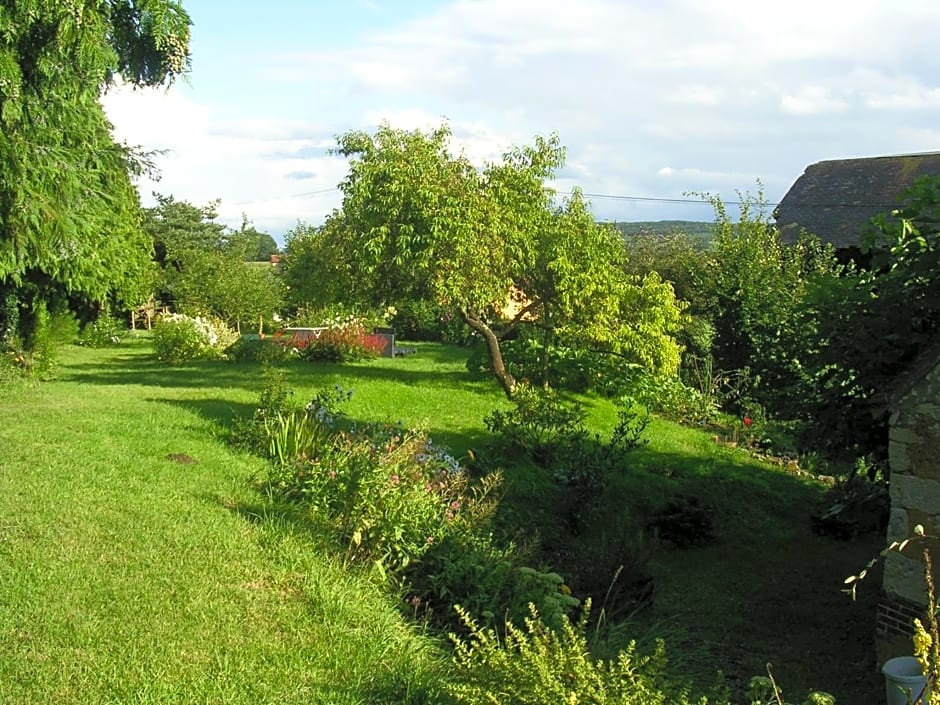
(914, 454)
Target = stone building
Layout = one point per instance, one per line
(914, 455)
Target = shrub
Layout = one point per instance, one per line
(9, 320)
(387, 497)
(253, 349)
(538, 665)
(345, 341)
(671, 398)
(391, 498)
(178, 338)
(552, 434)
(12, 365)
(252, 433)
(385, 494)
(753, 297)
(539, 425)
(870, 326)
(105, 330)
(473, 570)
(426, 320)
(46, 333)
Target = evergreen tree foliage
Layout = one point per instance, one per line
(69, 212)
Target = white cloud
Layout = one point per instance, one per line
(812, 100)
(695, 94)
(721, 92)
(912, 97)
(210, 157)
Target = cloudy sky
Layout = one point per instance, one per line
(653, 100)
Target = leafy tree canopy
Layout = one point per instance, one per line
(872, 324)
(259, 246)
(69, 214)
(207, 268)
(419, 223)
(179, 227)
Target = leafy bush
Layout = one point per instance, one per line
(425, 320)
(9, 320)
(671, 398)
(35, 355)
(528, 357)
(539, 425)
(178, 338)
(553, 435)
(12, 365)
(254, 349)
(473, 570)
(348, 343)
(754, 296)
(870, 325)
(538, 665)
(276, 398)
(105, 330)
(385, 494)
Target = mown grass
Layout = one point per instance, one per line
(129, 576)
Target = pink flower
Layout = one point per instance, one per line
(748, 421)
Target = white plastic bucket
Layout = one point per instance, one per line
(904, 679)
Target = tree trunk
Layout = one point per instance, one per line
(497, 366)
(547, 337)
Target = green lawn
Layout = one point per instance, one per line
(127, 575)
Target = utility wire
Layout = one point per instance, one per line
(614, 197)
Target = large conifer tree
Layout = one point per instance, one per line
(69, 212)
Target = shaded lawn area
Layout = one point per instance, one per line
(766, 589)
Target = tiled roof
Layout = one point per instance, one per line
(835, 199)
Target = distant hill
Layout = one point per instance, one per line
(695, 228)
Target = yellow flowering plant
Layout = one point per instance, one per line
(926, 638)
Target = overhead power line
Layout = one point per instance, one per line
(613, 197)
